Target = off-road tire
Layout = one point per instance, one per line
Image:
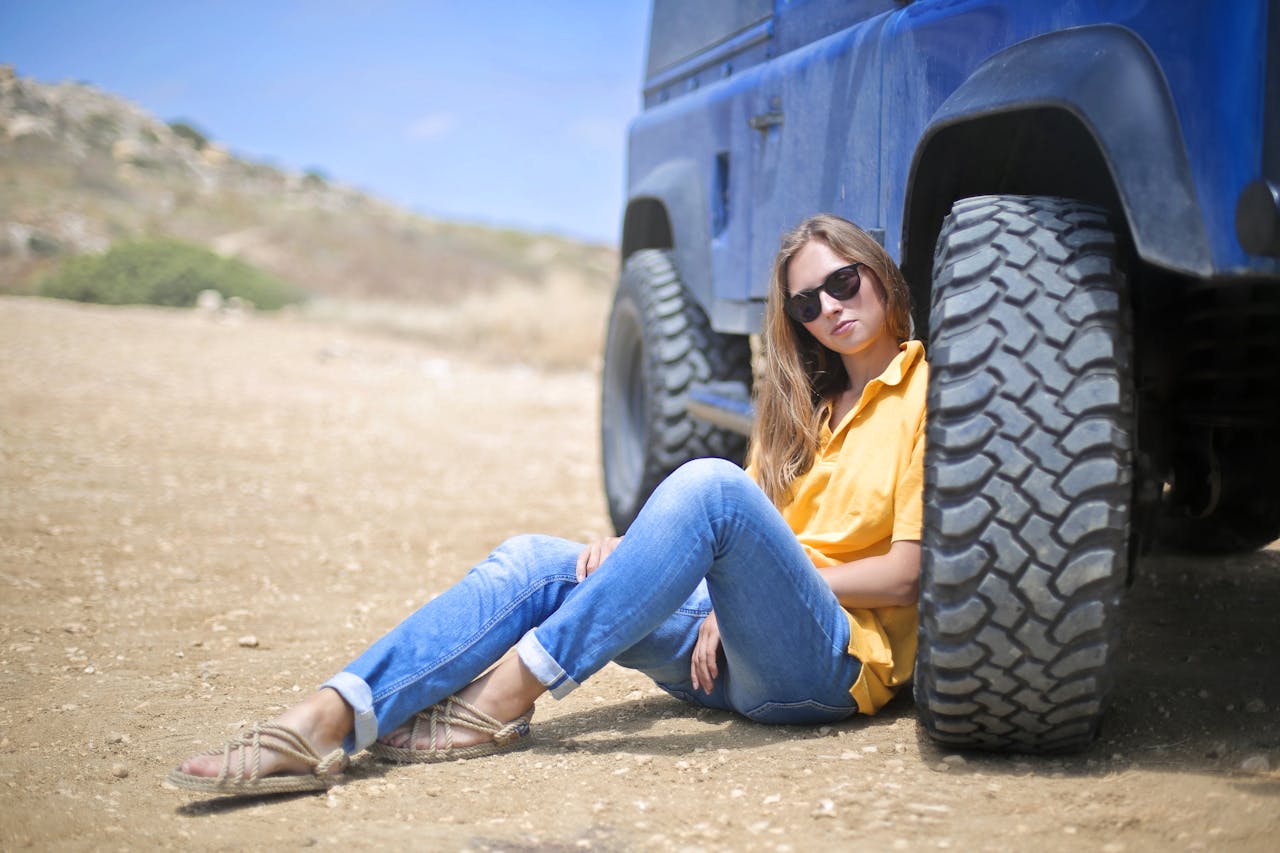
(659, 345)
(1028, 476)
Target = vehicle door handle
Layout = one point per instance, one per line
(764, 121)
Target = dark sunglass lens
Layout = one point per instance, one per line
(843, 283)
(810, 307)
(804, 307)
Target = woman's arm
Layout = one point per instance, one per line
(890, 580)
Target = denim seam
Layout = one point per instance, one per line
(461, 648)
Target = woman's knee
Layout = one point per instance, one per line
(531, 555)
(710, 476)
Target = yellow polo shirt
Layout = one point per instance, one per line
(864, 492)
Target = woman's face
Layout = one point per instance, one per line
(849, 327)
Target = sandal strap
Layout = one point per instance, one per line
(453, 711)
(278, 738)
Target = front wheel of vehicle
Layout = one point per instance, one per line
(659, 345)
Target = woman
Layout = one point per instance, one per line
(786, 593)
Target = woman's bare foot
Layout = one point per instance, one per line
(324, 719)
(505, 692)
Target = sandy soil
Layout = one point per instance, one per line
(201, 519)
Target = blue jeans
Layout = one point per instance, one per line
(707, 538)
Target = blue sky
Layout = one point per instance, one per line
(511, 113)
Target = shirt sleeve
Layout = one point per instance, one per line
(908, 499)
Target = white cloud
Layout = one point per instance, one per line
(432, 126)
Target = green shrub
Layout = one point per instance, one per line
(164, 272)
(186, 130)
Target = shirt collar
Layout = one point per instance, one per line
(909, 353)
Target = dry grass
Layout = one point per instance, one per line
(557, 325)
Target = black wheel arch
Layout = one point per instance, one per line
(668, 201)
(1038, 119)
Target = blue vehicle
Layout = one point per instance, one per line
(1085, 198)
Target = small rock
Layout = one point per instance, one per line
(1256, 706)
(942, 767)
(824, 731)
(116, 737)
(870, 749)
(771, 799)
(736, 793)
(826, 808)
(954, 760)
(1256, 764)
(119, 771)
(1217, 749)
(248, 641)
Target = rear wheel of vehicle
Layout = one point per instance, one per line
(659, 345)
(1028, 476)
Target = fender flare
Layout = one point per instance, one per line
(1137, 133)
(678, 187)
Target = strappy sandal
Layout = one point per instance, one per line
(244, 777)
(450, 713)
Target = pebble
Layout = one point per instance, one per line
(116, 737)
(954, 760)
(1256, 764)
(826, 808)
(119, 771)
(248, 641)
(1256, 706)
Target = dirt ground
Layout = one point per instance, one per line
(200, 519)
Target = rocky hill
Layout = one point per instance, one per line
(81, 168)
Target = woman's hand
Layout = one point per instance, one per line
(706, 653)
(593, 555)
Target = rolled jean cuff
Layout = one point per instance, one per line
(544, 667)
(356, 693)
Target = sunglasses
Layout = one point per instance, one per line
(842, 284)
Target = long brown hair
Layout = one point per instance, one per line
(800, 375)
